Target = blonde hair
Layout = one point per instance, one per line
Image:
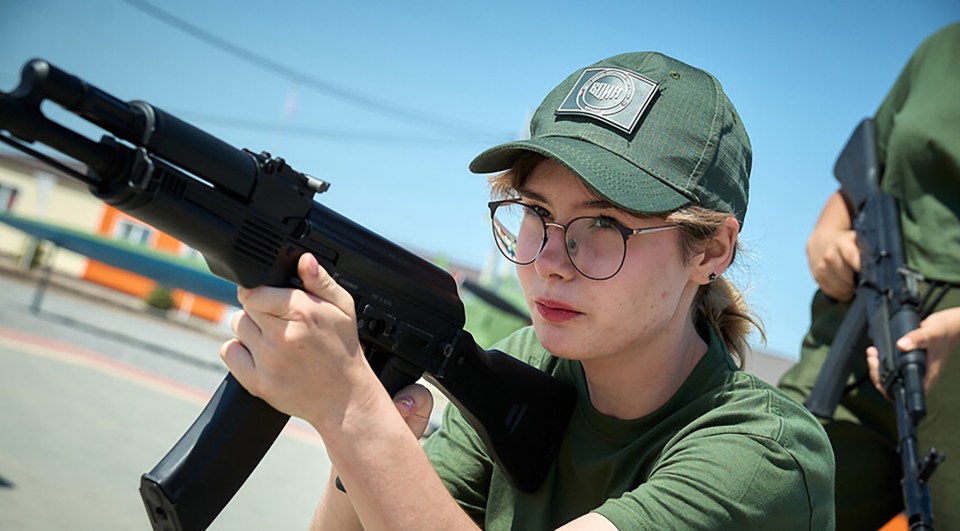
(719, 302)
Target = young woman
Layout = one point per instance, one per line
(622, 213)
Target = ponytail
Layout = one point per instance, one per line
(719, 302)
(723, 306)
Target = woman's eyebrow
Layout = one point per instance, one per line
(530, 194)
(595, 203)
(600, 204)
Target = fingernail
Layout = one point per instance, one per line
(905, 344)
(314, 266)
(405, 403)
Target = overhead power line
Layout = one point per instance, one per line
(335, 135)
(392, 110)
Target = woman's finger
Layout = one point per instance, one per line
(240, 363)
(266, 299)
(245, 328)
(319, 283)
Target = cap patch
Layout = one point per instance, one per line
(611, 95)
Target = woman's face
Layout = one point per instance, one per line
(646, 305)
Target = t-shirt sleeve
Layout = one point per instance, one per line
(726, 481)
(459, 457)
(896, 97)
(889, 107)
(457, 452)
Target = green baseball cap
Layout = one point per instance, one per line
(647, 132)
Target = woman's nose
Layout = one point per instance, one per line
(553, 259)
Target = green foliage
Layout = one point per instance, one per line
(161, 298)
(488, 324)
(38, 251)
(39, 254)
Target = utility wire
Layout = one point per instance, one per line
(316, 132)
(349, 96)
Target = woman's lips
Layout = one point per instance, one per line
(555, 312)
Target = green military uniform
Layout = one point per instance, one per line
(918, 137)
(727, 451)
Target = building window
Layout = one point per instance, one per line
(8, 196)
(132, 232)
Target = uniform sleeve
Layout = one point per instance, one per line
(894, 101)
(891, 104)
(730, 481)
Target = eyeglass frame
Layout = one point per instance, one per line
(625, 232)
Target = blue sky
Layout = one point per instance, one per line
(394, 99)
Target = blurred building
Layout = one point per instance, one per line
(31, 189)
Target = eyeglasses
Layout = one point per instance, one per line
(596, 246)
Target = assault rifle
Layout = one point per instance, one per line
(886, 307)
(251, 216)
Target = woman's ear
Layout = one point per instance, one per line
(718, 252)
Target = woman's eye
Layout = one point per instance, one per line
(542, 212)
(604, 223)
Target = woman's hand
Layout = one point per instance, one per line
(939, 334)
(299, 349)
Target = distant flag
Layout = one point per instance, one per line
(46, 182)
(487, 274)
(290, 102)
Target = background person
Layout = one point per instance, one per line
(918, 143)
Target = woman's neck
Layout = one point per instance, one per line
(634, 384)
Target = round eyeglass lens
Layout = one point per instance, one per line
(595, 246)
(518, 231)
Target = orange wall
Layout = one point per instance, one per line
(139, 286)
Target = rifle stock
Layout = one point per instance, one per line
(251, 216)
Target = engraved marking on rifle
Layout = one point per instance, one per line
(347, 284)
(381, 299)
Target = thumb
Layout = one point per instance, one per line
(911, 341)
(317, 282)
(415, 403)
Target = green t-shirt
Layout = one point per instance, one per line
(918, 142)
(727, 451)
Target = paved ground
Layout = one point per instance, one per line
(94, 391)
